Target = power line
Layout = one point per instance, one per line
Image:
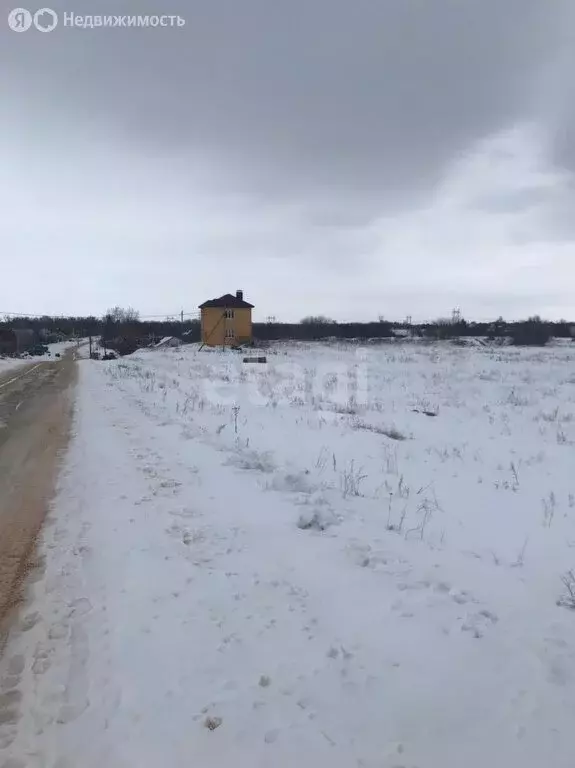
(61, 316)
(31, 314)
(170, 314)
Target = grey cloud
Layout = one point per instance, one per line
(512, 202)
(364, 98)
(320, 153)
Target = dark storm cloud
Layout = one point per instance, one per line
(370, 97)
(344, 157)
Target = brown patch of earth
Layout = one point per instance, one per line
(36, 405)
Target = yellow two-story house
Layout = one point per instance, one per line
(227, 320)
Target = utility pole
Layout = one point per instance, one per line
(90, 346)
(182, 316)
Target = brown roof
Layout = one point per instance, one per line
(227, 301)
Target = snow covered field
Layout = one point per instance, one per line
(10, 364)
(345, 557)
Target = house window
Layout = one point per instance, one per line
(230, 333)
(229, 314)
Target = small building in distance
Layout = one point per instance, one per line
(226, 321)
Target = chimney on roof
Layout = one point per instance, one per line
(240, 295)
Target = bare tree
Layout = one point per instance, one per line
(317, 320)
(121, 315)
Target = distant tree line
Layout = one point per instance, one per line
(531, 332)
(115, 323)
(125, 326)
(313, 328)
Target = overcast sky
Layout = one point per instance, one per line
(352, 158)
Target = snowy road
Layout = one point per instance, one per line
(185, 619)
(34, 418)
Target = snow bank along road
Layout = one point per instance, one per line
(260, 567)
(34, 411)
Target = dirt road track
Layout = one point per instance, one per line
(35, 415)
